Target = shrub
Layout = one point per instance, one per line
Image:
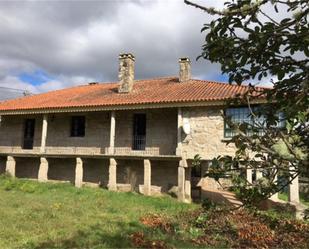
(9, 183)
(208, 204)
(27, 187)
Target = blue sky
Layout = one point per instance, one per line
(39, 77)
(35, 78)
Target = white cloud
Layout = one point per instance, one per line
(73, 39)
(15, 82)
(79, 41)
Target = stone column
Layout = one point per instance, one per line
(79, 172)
(274, 197)
(188, 184)
(44, 133)
(184, 182)
(293, 194)
(249, 175)
(259, 174)
(112, 179)
(10, 166)
(111, 149)
(179, 132)
(43, 170)
(181, 183)
(147, 177)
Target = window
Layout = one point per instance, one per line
(237, 115)
(78, 126)
(139, 132)
(240, 115)
(29, 127)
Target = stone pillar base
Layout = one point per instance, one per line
(79, 173)
(43, 170)
(259, 174)
(275, 197)
(181, 184)
(184, 182)
(112, 179)
(293, 195)
(249, 175)
(147, 177)
(188, 185)
(10, 166)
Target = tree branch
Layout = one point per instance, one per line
(196, 5)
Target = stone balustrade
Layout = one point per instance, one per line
(80, 150)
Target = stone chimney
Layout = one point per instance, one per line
(126, 73)
(184, 69)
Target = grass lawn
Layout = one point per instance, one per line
(303, 198)
(36, 215)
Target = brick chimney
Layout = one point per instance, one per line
(184, 69)
(126, 73)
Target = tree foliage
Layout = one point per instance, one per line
(251, 44)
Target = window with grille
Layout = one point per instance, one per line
(139, 131)
(78, 126)
(239, 115)
(29, 128)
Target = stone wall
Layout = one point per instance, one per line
(205, 139)
(207, 133)
(164, 174)
(12, 131)
(161, 133)
(27, 167)
(61, 169)
(130, 172)
(96, 171)
(96, 133)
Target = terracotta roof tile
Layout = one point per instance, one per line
(160, 90)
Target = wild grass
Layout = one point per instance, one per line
(58, 215)
(47, 215)
(303, 198)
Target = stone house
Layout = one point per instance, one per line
(138, 135)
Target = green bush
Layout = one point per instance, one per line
(208, 204)
(28, 187)
(9, 184)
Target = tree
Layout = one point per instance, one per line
(251, 44)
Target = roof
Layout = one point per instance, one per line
(152, 91)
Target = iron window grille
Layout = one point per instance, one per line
(78, 126)
(239, 115)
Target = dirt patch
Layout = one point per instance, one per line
(157, 221)
(241, 228)
(245, 229)
(139, 241)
